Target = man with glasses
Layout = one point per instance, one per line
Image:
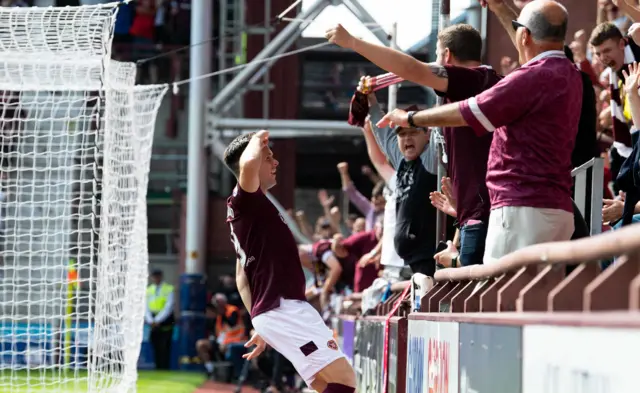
(533, 114)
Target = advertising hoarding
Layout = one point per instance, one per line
(562, 359)
(368, 355)
(433, 350)
(490, 358)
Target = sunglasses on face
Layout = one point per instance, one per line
(516, 25)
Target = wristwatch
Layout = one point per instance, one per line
(454, 261)
(410, 119)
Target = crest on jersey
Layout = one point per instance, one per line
(332, 345)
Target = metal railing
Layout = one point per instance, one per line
(535, 278)
(595, 167)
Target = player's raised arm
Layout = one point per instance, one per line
(392, 60)
(251, 161)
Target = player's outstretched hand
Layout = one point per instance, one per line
(395, 118)
(340, 36)
(260, 346)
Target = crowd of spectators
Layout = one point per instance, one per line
(512, 137)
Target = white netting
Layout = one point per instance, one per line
(76, 139)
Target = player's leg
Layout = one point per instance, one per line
(297, 331)
(337, 377)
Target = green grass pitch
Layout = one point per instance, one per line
(148, 382)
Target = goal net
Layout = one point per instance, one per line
(75, 139)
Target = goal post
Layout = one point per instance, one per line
(75, 139)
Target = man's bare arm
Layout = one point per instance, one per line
(392, 60)
(335, 271)
(628, 7)
(243, 286)
(405, 66)
(377, 157)
(441, 116)
(505, 15)
(251, 160)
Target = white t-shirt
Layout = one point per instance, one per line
(389, 255)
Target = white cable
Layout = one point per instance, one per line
(241, 66)
(176, 85)
(371, 24)
(292, 6)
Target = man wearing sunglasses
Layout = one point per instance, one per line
(533, 114)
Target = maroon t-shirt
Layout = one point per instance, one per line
(358, 245)
(322, 248)
(266, 249)
(468, 153)
(533, 113)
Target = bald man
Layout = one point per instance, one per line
(586, 144)
(533, 114)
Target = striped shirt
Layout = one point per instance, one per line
(622, 126)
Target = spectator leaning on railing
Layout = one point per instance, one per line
(457, 75)
(534, 114)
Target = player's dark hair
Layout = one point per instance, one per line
(234, 151)
(464, 42)
(378, 189)
(603, 32)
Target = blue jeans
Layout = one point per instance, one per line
(472, 241)
(234, 355)
(634, 220)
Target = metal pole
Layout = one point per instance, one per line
(365, 17)
(393, 89)
(201, 14)
(441, 221)
(193, 292)
(266, 91)
(227, 93)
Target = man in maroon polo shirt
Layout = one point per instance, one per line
(456, 75)
(533, 114)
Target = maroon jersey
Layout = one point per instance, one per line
(358, 245)
(266, 249)
(468, 153)
(321, 249)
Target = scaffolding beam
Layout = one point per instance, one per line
(229, 128)
(292, 29)
(365, 17)
(263, 70)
